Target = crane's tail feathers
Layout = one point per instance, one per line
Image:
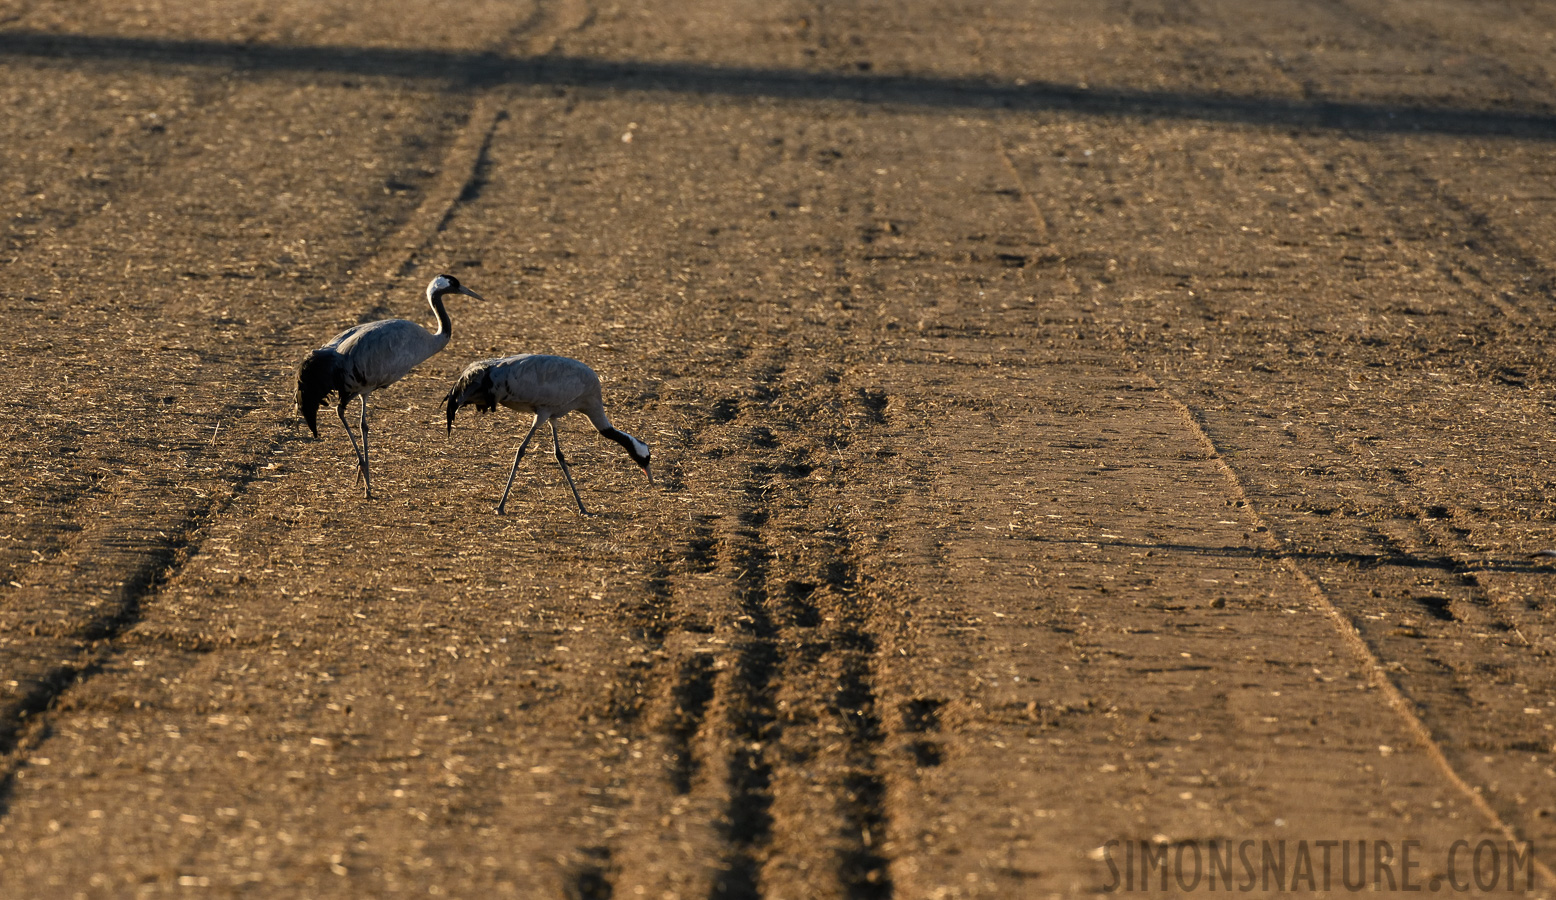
(317, 377)
(474, 388)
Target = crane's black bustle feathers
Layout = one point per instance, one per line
(319, 375)
(474, 388)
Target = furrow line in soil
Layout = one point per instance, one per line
(63, 619)
(657, 615)
(62, 623)
(863, 866)
(1437, 529)
(1509, 279)
(1350, 635)
(696, 697)
(662, 699)
(804, 712)
(740, 694)
(667, 696)
(747, 703)
(745, 700)
(830, 589)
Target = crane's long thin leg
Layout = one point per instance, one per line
(556, 446)
(516, 457)
(340, 411)
(367, 471)
(358, 479)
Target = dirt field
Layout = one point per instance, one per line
(1079, 427)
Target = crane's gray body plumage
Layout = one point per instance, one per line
(366, 357)
(547, 387)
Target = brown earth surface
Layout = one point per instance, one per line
(1079, 428)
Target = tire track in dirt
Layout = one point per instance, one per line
(701, 700)
(827, 696)
(802, 676)
(690, 695)
(747, 704)
(1357, 644)
(733, 714)
(65, 616)
(1461, 240)
(1489, 266)
(1488, 263)
(128, 160)
(759, 705)
(864, 864)
(1478, 598)
(124, 159)
(1481, 259)
(1448, 554)
(1338, 610)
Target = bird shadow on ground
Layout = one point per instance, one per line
(475, 70)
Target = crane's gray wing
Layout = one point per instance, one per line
(382, 353)
(554, 383)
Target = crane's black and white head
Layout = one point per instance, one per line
(634, 447)
(639, 453)
(443, 285)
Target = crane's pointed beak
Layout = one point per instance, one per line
(469, 293)
(648, 473)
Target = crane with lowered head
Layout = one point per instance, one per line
(548, 387)
(366, 357)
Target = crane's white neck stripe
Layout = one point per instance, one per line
(632, 445)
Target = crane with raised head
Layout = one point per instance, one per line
(366, 357)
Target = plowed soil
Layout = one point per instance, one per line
(1073, 423)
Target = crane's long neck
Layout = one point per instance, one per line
(596, 414)
(445, 324)
(634, 447)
